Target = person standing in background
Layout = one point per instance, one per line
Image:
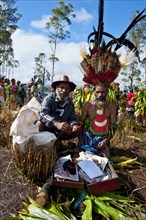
(130, 102)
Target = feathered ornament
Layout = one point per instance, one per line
(102, 64)
(83, 52)
(127, 57)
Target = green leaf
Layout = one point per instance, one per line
(42, 213)
(87, 214)
(134, 138)
(112, 212)
(53, 212)
(112, 196)
(101, 212)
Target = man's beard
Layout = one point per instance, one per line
(100, 101)
(61, 96)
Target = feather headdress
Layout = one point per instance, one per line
(102, 63)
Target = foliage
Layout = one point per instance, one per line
(120, 162)
(79, 98)
(140, 104)
(41, 73)
(111, 97)
(127, 125)
(137, 36)
(57, 26)
(109, 205)
(8, 20)
(53, 211)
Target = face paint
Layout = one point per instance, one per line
(100, 123)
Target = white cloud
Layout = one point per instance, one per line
(27, 46)
(83, 16)
(40, 24)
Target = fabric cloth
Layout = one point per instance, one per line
(53, 110)
(24, 124)
(131, 99)
(24, 129)
(91, 139)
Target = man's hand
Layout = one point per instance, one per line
(76, 128)
(63, 126)
(102, 143)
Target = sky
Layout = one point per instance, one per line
(31, 37)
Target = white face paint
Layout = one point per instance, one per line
(100, 124)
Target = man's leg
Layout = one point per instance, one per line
(41, 126)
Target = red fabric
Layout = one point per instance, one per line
(130, 96)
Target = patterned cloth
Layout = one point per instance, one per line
(91, 139)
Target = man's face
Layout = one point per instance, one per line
(100, 93)
(62, 91)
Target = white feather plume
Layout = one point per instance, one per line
(127, 57)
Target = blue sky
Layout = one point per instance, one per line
(117, 14)
(31, 37)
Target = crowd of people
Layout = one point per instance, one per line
(15, 94)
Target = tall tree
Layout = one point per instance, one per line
(137, 35)
(8, 20)
(41, 73)
(57, 24)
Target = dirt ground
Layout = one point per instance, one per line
(14, 187)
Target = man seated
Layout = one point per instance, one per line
(98, 115)
(57, 112)
(57, 115)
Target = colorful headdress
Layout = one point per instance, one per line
(102, 64)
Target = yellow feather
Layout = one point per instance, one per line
(83, 52)
(83, 55)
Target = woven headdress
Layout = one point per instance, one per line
(102, 64)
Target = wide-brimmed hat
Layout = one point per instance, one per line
(64, 79)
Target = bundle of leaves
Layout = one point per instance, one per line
(140, 105)
(107, 206)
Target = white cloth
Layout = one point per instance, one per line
(24, 125)
(23, 128)
(44, 138)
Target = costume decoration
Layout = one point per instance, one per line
(102, 63)
(100, 123)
